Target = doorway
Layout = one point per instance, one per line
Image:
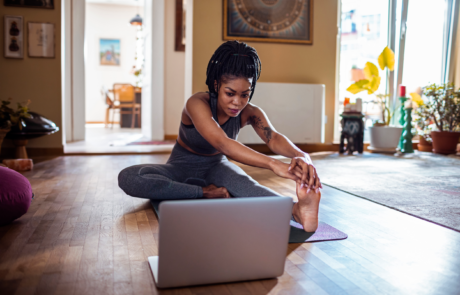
(103, 72)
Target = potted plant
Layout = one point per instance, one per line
(383, 137)
(137, 73)
(9, 118)
(443, 108)
(424, 126)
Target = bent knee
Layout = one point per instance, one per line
(127, 178)
(124, 178)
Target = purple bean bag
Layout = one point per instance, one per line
(15, 195)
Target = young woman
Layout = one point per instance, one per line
(198, 166)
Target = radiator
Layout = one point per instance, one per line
(295, 110)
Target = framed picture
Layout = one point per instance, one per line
(30, 3)
(280, 21)
(180, 25)
(109, 52)
(13, 36)
(41, 40)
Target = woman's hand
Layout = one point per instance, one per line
(309, 177)
(282, 169)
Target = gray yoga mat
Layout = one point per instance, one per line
(325, 232)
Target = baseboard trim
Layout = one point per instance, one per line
(8, 152)
(170, 136)
(311, 148)
(308, 148)
(101, 122)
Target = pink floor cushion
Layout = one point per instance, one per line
(15, 195)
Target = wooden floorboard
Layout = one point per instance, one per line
(84, 235)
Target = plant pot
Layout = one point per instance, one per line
(384, 138)
(3, 133)
(424, 145)
(445, 142)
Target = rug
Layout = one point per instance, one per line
(153, 142)
(422, 184)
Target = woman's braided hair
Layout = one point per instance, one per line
(233, 59)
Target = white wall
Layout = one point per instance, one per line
(111, 22)
(153, 76)
(174, 73)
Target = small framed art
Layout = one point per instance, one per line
(279, 21)
(49, 4)
(109, 52)
(14, 36)
(41, 40)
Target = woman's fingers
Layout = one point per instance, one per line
(297, 171)
(312, 174)
(292, 165)
(318, 184)
(298, 187)
(304, 172)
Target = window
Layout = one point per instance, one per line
(424, 29)
(364, 34)
(423, 54)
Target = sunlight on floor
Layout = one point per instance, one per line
(112, 140)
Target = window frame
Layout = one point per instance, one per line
(396, 42)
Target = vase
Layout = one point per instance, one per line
(424, 145)
(3, 133)
(384, 138)
(445, 142)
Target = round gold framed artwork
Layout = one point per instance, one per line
(280, 21)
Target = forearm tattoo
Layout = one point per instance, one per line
(256, 122)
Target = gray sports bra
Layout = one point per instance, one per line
(193, 139)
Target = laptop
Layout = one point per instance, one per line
(211, 241)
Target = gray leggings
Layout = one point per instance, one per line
(184, 175)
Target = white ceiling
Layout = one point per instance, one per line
(118, 2)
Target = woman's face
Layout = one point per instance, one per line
(234, 95)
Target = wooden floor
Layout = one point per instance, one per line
(83, 235)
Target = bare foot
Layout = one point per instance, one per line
(306, 210)
(214, 192)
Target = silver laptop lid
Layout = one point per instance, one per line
(222, 240)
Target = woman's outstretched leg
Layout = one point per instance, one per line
(159, 182)
(236, 181)
(240, 185)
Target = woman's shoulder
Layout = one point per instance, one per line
(197, 101)
(203, 96)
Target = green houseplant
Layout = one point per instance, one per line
(10, 117)
(441, 109)
(383, 137)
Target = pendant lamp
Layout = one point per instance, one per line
(136, 21)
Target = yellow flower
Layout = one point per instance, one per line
(358, 86)
(387, 59)
(416, 98)
(370, 71)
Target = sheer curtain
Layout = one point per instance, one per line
(456, 63)
(423, 57)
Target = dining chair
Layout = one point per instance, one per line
(123, 98)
